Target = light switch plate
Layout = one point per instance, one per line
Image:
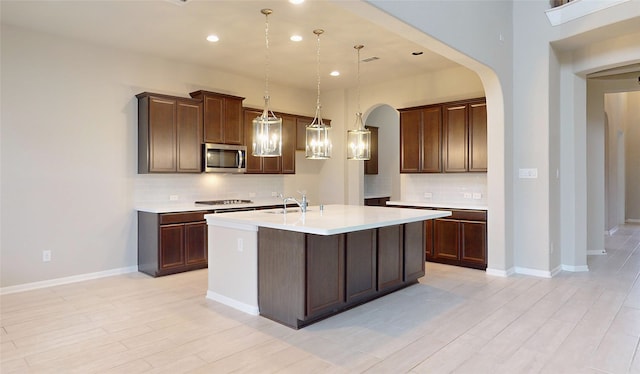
(528, 173)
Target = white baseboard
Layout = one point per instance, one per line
(66, 280)
(249, 309)
(500, 273)
(632, 220)
(534, 272)
(611, 231)
(575, 269)
(596, 252)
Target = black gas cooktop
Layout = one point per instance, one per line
(224, 202)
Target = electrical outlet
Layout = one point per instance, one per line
(173, 197)
(274, 194)
(252, 194)
(477, 196)
(467, 195)
(46, 256)
(428, 195)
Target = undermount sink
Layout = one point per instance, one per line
(284, 211)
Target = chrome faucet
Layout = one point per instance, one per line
(302, 204)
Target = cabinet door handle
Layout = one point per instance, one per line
(240, 159)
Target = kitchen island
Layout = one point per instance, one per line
(297, 268)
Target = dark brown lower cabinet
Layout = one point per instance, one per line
(303, 278)
(171, 242)
(376, 201)
(414, 255)
(460, 239)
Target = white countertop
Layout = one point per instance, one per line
(333, 219)
(431, 204)
(172, 207)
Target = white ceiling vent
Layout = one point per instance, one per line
(369, 59)
(178, 2)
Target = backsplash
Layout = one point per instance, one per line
(465, 188)
(155, 188)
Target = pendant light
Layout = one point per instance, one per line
(318, 143)
(358, 140)
(267, 128)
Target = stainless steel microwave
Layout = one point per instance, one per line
(224, 158)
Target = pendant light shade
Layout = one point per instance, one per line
(267, 128)
(358, 140)
(318, 142)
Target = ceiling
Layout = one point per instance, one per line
(175, 29)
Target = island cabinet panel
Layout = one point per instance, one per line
(281, 275)
(171, 242)
(390, 257)
(325, 274)
(303, 278)
(428, 240)
(361, 265)
(414, 254)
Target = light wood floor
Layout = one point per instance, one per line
(455, 320)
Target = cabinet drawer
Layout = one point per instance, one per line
(168, 218)
(468, 215)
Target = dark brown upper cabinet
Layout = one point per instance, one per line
(478, 136)
(371, 165)
(169, 134)
(445, 137)
(455, 141)
(421, 140)
(222, 116)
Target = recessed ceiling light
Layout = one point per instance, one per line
(295, 38)
(213, 38)
(296, 1)
(334, 73)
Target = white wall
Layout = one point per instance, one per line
(509, 45)
(622, 113)
(387, 181)
(632, 157)
(69, 141)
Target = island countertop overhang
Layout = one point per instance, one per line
(331, 220)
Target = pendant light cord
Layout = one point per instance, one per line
(318, 32)
(266, 13)
(358, 82)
